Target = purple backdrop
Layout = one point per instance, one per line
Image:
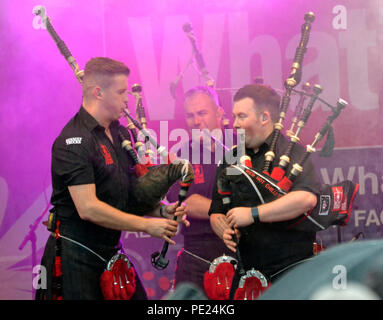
(239, 40)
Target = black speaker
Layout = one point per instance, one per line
(344, 272)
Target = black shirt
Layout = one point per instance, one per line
(204, 165)
(83, 154)
(270, 247)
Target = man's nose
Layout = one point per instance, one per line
(197, 121)
(236, 124)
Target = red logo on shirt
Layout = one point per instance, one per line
(198, 174)
(337, 193)
(106, 154)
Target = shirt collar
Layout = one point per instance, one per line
(265, 146)
(91, 123)
(268, 140)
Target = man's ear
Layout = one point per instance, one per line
(220, 112)
(266, 117)
(97, 93)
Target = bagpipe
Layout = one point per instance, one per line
(150, 184)
(240, 185)
(334, 202)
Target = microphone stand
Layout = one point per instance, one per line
(174, 84)
(195, 57)
(31, 236)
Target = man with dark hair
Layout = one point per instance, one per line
(91, 177)
(202, 112)
(262, 245)
(264, 97)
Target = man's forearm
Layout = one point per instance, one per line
(218, 224)
(112, 218)
(287, 207)
(90, 208)
(198, 206)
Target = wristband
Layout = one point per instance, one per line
(255, 214)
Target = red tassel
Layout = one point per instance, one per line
(106, 283)
(116, 287)
(251, 290)
(123, 295)
(118, 283)
(130, 281)
(217, 284)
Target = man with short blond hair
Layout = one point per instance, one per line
(91, 180)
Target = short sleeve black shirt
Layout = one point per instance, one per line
(83, 154)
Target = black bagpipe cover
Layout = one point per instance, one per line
(333, 207)
(148, 190)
